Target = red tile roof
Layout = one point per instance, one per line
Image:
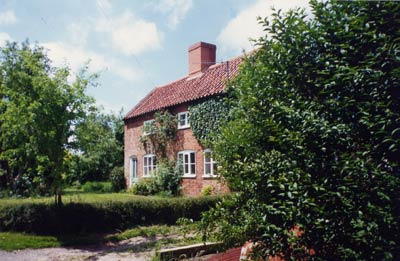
(211, 82)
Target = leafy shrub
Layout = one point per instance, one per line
(314, 140)
(166, 181)
(167, 178)
(144, 187)
(102, 216)
(97, 186)
(117, 178)
(207, 191)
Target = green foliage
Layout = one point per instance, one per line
(161, 135)
(100, 216)
(98, 141)
(117, 179)
(207, 190)
(144, 187)
(13, 241)
(37, 109)
(314, 139)
(167, 178)
(207, 117)
(97, 187)
(166, 181)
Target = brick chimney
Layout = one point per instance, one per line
(201, 56)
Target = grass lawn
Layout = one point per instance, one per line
(10, 241)
(77, 198)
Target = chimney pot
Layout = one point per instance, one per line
(201, 56)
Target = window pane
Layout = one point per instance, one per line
(207, 169)
(207, 157)
(192, 169)
(192, 157)
(214, 168)
(186, 158)
(186, 169)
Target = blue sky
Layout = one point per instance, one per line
(135, 45)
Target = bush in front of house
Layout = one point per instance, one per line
(117, 179)
(166, 181)
(106, 216)
(144, 187)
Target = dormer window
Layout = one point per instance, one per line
(183, 120)
(148, 127)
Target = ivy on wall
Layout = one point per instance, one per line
(207, 117)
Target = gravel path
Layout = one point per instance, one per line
(131, 249)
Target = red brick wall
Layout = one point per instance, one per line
(185, 141)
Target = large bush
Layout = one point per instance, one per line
(100, 217)
(315, 136)
(117, 178)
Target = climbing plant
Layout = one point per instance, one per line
(207, 117)
(159, 136)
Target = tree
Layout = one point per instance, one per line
(38, 107)
(98, 145)
(313, 145)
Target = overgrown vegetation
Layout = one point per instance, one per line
(314, 138)
(207, 117)
(161, 135)
(159, 140)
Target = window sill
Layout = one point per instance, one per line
(184, 127)
(210, 176)
(189, 176)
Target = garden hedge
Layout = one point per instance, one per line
(76, 218)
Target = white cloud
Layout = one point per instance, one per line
(8, 17)
(75, 57)
(175, 9)
(4, 37)
(104, 6)
(236, 34)
(131, 35)
(78, 33)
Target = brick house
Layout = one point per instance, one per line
(206, 79)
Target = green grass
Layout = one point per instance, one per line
(12, 241)
(150, 231)
(77, 198)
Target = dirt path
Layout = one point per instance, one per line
(131, 249)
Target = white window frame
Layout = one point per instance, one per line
(133, 173)
(187, 172)
(148, 169)
(149, 122)
(209, 161)
(187, 120)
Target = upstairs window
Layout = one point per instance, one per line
(187, 161)
(210, 165)
(149, 164)
(183, 120)
(148, 127)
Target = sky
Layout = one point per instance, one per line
(134, 45)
